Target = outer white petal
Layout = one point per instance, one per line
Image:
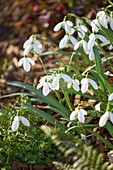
(21, 61)
(77, 45)
(97, 107)
(93, 83)
(67, 28)
(37, 43)
(76, 85)
(27, 49)
(83, 111)
(15, 123)
(46, 89)
(72, 39)
(26, 65)
(81, 116)
(27, 43)
(69, 23)
(63, 42)
(73, 114)
(84, 28)
(84, 86)
(110, 47)
(58, 26)
(40, 85)
(31, 61)
(66, 78)
(24, 121)
(111, 23)
(91, 55)
(85, 46)
(103, 119)
(95, 25)
(37, 49)
(102, 38)
(111, 117)
(91, 41)
(55, 83)
(110, 97)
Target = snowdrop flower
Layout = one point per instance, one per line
(85, 46)
(66, 78)
(80, 113)
(44, 82)
(15, 124)
(104, 118)
(97, 107)
(26, 61)
(103, 19)
(110, 98)
(85, 82)
(65, 39)
(95, 25)
(32, 44)
(66, 25)
(75, 84)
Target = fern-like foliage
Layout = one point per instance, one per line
(78, 156)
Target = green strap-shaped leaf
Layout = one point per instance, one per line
(44, 115)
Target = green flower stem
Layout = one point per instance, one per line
(67, 99)
(70, 61)
(101, 138)
(41, 62)
(58, 95)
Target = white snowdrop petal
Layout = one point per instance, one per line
(66, 78)
(27, 50)
(77, 45)
(81, 117)
(111, 116)
(110, 98)
(76, 85)
(73, 115)
(37, 43)
(37, 49)
(73, 40)
(83, 111)
(97, 107)
(91, 55)
(102, 38)
(63, 42)
(83, 80)
(31, 61)
(40, 85)
(84, 28)
(111, 23)
(24, 121)
(26, 65)
(27, 43)
(15, 123)
(93, 83)
(85, 46)
(91, 41)
(46, 89)
(58, 26)
(84, 86)
(67, 28)
(21, 61)
(110, 47)
(103, 119)
(55, 83)
(69, 23)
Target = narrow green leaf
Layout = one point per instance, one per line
(44, 115)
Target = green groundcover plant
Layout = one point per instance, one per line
(28, 145)
(89, 44)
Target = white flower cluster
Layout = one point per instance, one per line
(102, 20)
(108, 114)
(31, 44)
(51, 82)
(15, 124)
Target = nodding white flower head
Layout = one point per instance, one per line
(32, 44)
(103, 19)
(104, 118)
(63, 42)
(95, 25)
(44, 82)
(26, 61)
(110, 98)
(85, 46)
(15, 124)
(85, 82)
(66, 25)
(78, 113)
(75, 84)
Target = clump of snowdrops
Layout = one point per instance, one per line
(92, 39)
